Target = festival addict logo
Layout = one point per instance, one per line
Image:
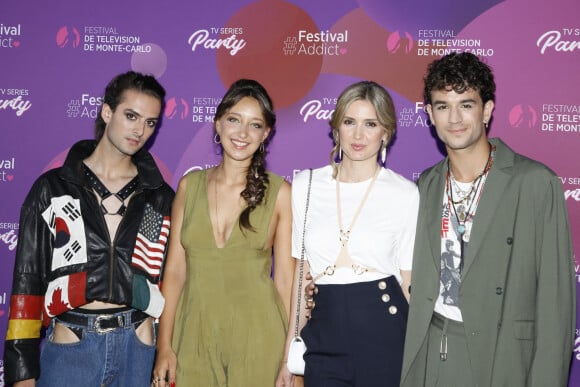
(10, 35)
(398, 42)
(68, 36)
(7, 169)
(318, 43)
(523, 116)
(413, 116)
(176, 107)
(15, 100)
(218, 37)
(87, 106)
(561, 41)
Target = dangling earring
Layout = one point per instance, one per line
(383, 153)
(217, 139)
(262, 148)
(339, 153)
(485, 124)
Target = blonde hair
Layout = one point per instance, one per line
(381, 101)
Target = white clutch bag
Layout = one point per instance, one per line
(297, 347)
(296, 356)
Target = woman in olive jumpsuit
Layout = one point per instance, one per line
(227, 300)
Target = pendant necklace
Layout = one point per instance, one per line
(344, 235)
(463, 211)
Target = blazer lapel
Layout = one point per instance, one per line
(433, 196)
(493, 190)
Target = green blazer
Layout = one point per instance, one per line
(517, 294)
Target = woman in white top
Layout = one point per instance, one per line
(358, 239)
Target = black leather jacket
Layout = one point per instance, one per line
(65, 257)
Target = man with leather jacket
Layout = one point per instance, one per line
(93, 237)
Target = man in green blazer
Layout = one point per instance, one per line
(493, 292)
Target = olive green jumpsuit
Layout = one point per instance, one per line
(231, 323)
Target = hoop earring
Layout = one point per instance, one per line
(485, 124)
(339, 153)
(262, 148)
(217, 139)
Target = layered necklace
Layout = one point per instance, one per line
(465, 204)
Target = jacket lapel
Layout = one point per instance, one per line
(433, 196)
(495, 185)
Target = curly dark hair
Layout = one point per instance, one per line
(130, 80)
(256, 178)
(459, 72)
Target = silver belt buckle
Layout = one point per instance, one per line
(101, 317)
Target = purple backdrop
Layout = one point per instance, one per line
(57, 56)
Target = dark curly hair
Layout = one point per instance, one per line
(256, 177)
(459, 72)
(130, 80)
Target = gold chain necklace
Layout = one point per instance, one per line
(344, 236)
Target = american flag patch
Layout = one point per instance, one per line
(151, 241)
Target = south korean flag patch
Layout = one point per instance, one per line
(65, 221)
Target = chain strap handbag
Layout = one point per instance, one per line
(297, 346)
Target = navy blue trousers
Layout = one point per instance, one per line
(356, 334)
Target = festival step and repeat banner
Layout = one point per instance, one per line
(57, 56)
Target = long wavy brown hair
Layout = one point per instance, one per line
(256, 177)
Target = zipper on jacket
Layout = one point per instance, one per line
(113, 243)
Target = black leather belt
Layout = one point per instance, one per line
(103, 323)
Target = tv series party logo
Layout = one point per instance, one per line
(318, 109)
(565, 40)
(9, 235)
(571, 193)
(15, 100)
(10, 35)
(216, 38)
(318, 43)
